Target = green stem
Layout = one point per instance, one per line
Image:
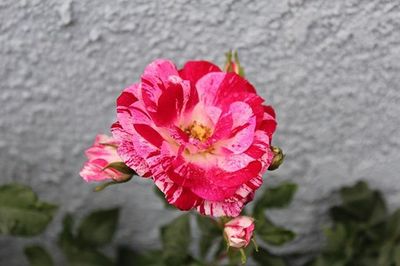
(104, 185)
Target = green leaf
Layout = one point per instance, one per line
(327, 261)
(221, 247)
(275, 197)
(207, 224)
(205, 244)
(264, 258)
(209, 233)
(77, 252)
(176, 239)
(359, 192)
(21, 213)
(362, 204)
(87, 257)
(367, 261)
(378, 213)
(234, 257)
(336, 237)
(191, 261)
(98, 228)
(128, 257)
(340, 215)
(362, 232)
(393, 227)
(273, 234)
(197, 263)
(38, 256)
(385, 255)
(396, 255)
(65, 237)
(239, 256)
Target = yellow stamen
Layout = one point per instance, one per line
(198, 131)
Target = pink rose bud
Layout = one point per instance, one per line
(104, 162)
(239, 231)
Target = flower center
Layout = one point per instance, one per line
(198, 131)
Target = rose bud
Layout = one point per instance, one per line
(278, 158)
(239, 231)
(104, 163)
(232, 64)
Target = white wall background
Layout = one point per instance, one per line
(331, 68)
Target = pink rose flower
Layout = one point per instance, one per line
(239, 231)
(201, 134)
(102, 153)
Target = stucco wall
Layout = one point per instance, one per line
(330, 68)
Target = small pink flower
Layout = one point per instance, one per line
(239, 231)
(102, 153)
(201, 134)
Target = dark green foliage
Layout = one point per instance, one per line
(363, 232)
(96, 229)
(38, 256)
(210, 232)
(128, 257)
(86, 257)
(235, 257)
(176, 238)
(81, 243)
(275, 197)
(176, 235)
(263, 257)
(273, 234)
(22, 213)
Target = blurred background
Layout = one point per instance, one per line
(330, 69)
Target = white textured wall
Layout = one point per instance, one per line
(331, 68)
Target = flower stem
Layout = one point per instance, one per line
(104, 185)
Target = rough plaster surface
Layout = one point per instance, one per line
(330, 68)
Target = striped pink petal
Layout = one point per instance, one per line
(202, 135)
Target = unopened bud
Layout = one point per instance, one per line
(278, 158)
(123, 174)
(233, 64)
(238, 232)
(104, 163)
(120, 167)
